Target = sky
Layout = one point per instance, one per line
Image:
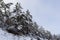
(45, 12)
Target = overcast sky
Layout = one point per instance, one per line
(45, 12)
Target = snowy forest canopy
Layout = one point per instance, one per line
(20, 23)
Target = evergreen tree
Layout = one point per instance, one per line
(21, 23)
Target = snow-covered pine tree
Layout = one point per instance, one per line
(21, 23)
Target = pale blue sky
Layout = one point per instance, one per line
(45, 12)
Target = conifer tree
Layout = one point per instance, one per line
(21, 23)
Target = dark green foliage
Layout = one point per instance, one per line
(1, 0)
